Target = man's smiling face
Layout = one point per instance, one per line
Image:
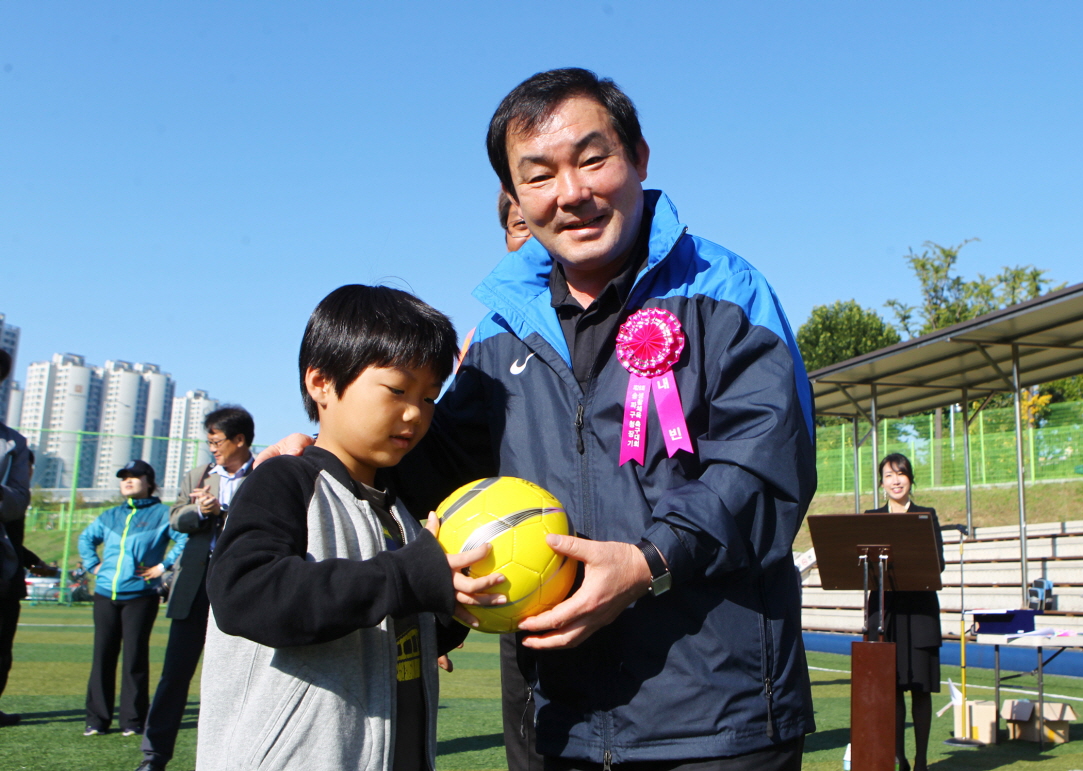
(579, 192)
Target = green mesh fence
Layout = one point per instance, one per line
(1052, 448)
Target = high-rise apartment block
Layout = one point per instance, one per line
(186, 434)
(136, 403)
(9, 341)
(62, 399)
(86, 422)
(15, 404)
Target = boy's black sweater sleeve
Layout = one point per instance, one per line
(449, 634)
(261, 586)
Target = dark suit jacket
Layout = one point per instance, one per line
(191, 568)
(916, 612)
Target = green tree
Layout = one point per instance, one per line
(949, 299)
(838, 332)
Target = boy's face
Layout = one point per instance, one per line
(377, 418)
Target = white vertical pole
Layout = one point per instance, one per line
(857, 472)
(875, 451)
(1019, 472)
(966, 462)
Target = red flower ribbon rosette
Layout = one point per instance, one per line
(649, 343)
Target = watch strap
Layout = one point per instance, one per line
(661, 578)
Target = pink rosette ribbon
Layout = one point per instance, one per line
(649, 343)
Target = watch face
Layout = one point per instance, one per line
(661, 584)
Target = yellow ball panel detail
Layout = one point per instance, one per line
(513, 515)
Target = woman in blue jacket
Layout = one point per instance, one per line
(135, 536)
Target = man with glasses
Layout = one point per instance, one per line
(201, 510)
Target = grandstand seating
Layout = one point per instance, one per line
(991, 574)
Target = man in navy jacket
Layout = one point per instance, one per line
(683, 641)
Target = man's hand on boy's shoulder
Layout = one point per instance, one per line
(294, 444)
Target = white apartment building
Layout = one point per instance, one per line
(62, 398)
(186, 425)
(136, 404)
(9, 341)
(15, 404)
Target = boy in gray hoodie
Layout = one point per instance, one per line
(330, 603)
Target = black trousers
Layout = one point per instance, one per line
(517, 706)
(783, 757)
(129, 622)
(186, 638)
(9, 621)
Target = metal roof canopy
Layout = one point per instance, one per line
(933, 370)
(1004, 351)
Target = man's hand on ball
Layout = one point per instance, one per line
(294, 444)
(469, 591)
(615, 575)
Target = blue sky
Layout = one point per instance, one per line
(181, 183)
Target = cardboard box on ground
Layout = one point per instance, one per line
(983, 721)
(1022, 717)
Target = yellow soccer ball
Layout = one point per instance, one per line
(514, 515)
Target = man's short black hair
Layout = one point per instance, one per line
(5, 365)
(231, 420)
(357, 327)
(532, 102)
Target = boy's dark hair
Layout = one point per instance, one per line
(532, 102)
(5, 365)
(231, 420)
(357, 327)
(900, 464)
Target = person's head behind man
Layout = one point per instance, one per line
(568, 149)
(516, 233)
(372, 362)
(230, 432)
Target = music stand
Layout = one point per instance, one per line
(896, 552)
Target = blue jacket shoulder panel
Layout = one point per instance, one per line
(701, 267)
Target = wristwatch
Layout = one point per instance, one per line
(661, 578)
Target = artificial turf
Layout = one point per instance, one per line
(52, 662)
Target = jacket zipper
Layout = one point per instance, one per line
(579, 428)
(607, 761)
(402, 532)
(123, 539)
(767, 651)
(526, 709)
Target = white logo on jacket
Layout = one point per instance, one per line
(517, 368)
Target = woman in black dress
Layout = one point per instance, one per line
(913, 624)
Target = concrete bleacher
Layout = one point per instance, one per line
(991, 573)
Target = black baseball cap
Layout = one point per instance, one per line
(136, 468)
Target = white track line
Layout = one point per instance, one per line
(983, 687)
(75, 626)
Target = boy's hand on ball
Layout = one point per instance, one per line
(615, 575)
(469, 591)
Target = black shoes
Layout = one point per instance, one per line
(7, 719)
(148, 765)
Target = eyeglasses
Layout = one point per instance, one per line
(214, 443)
(518, 229)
